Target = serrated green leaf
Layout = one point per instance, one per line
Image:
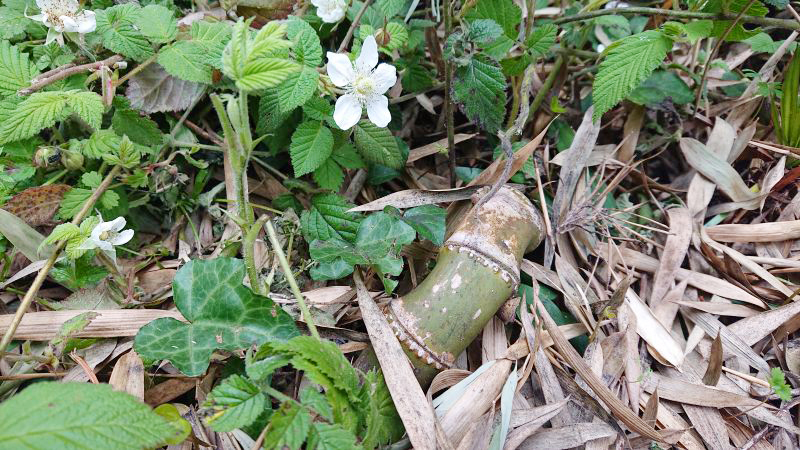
(117, 27)
(738, 32)
(289, 427)
(223, 314)
(79, 416)
(312, 144)
(627, 64)
(329, 175)
(416, 77)
(328, 218)
(323, 357)
(541, 39)
(75, 198)
(12, 23)
(38, 111)
(318, 108)
(91, 179)
(334, 437)
(257, 62)
(777, 382)
(297, 89)
(157, 23)
(346, 156)
(307, 48)
(516, 65)
(428, 221)
(383, 423)
(87, 105)
(310, 397)
(139, 129)
(234, 403)
(391, 8)
(483, 31)
(265, 73)
(398, 36)
(377, 145)
(659, 86)
(63, 232)
(270, 115)
(699, 29)
(186, 60)
(479, 88)
(16, 70)
(100, 143)
(504, 12)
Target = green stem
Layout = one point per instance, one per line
(248, 248)
(448, 99)
(235, 153)
(765, 21)
(547, 85)
(51, 261)
(287, 270)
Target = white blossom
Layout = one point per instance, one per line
(616, 4)
(364, 85)
(63, 16)
(106, 235)
(330, 11)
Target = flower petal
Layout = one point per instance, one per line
(86, 22)
(70, 25)
(104, 245)
(378, 110)
(122, 238)
(368, 58)
(330, 11)
(347, 111)
(385, 76)
(117, 224)
(340, 69)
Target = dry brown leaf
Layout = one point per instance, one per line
(567, 437)
(714, 370)
(695, 394)
(435, 147)
(417, 197)
(43, 325)
(716, 169)
(128, 375)
(168, 390)
(37, 205)
(675, 248)
(760, 232)
(525, 422)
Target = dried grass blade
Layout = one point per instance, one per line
(730, 342)
(567, 437)
(696, 394)
(760, 232)
(417, 197)
(652, 331)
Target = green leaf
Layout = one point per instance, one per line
(270, 114)
(504, 12)
(398, 36)
(777, 382)
(659, 86)
(377, 145)
(312, 144)
(416, 77)
(223, 314)
(12, 23)
(628, 63)
(157, 23)
(699, 29)
(79, 416)
(541, 39)
(260, 61)
(310, 397)
(328, 218)
(322, 362)
(318, 108)
(480, 89)
(100, 143)
(234, 403)
(186, 60)
(333, 270)
(38, 111)
(307, 48)
(16, 70)
(289, 426)
(738, 32)
(329, 175)
(117, 28)
(334, 437)
(297, 89)
(63, 232)
(484, 31)
(381, 232)
(428, 221)
(87, 105)
(181, 426)
(138, 128)
(91, 179)
(346, 156)
(391, 8)
(383, 423)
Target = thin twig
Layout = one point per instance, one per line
(714, 53)
(765, 21)
(40, 277)
(136, 70)
(287, 270)
(356, 21)
(67, 71)
(448, 98)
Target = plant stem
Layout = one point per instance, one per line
(66, 71)
(40, 277)
(448, 98)
(287, 270)
(248, 248)
(136, 70)
(713, 53)
(356, 21)
(234, 153)
(765, 21)
(547, 85)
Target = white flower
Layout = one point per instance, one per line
(365, 85)
(106, 235)
(330, 11)
(616, 4)
(62, 15)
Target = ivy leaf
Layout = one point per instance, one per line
(334, 270)
(307, 48)
(16, 70)
(377, 145)
(38, 111)
(235, 403)
(629, 62)
(380, 233)
(223, 314)
(504, 12)
(312, 144)
(479, 88)
(328, 218)
(297, 89)
(157, 23)
(428, 221)
(117, 28)
(541, 39)
(329, 175)
(289, 427)
(79, 415)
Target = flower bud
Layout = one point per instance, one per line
(71, 159)
(46, 156)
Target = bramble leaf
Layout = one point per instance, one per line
(328, 218)
(16, 70)
(377, 145)
(117, 27)
(480, 89)
(312, 144)
(235, 402)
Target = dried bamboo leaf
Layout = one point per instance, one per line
(567, 437)
(695, 394)
(417, 197)
(710, 425)
(436, 147)
(730, 341)
(653, 332)
(675, 248)
(651, 409)
(720, 309)
(128, 375)
(527, 421)
(714, 370)
(716, 169)
(760, 232)
(44, 325)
